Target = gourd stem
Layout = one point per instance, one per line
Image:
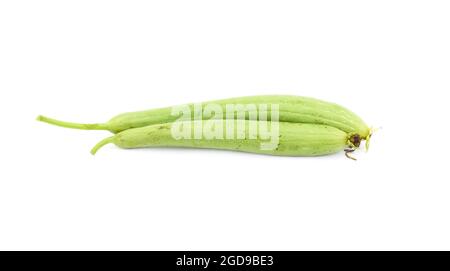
(73, 125)
(101, 144)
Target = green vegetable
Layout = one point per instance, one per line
(307, 126)
(294, 139)
(291, 109)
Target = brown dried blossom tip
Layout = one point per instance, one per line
(355, 140)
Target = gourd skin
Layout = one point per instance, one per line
(308, 126)
(294, 109)
(294, 139)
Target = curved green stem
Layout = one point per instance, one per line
(73, 125)
(101, 144)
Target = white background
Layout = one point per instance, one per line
(86, 61)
